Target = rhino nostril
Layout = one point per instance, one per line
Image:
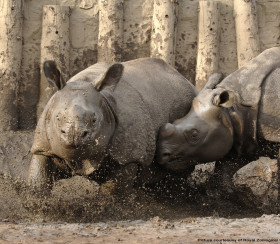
(85, 133)
(63, 131)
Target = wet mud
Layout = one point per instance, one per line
(79, 210)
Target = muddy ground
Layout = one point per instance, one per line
(264, 229)
(79, 210)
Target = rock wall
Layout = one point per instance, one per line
(136, 34)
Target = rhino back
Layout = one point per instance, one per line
(269, 112)
(150, 94)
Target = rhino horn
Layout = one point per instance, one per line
(110, 78)
(53, 74)
(167, 130)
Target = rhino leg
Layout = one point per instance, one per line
(40, 174)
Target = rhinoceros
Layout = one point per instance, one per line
(105, 110)
(228, 115)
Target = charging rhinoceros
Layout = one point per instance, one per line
(234, 112)
(114, 110)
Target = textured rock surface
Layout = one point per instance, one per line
(257, 183)
(201, 174)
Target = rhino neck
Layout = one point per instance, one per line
(244, 127)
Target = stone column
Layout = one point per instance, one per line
(55, 45)
(110, 36)
(246, 24)
(208, 42)
(11, 21)
(163, 40)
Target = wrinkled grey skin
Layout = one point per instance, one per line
(231, 113)
(106, 110)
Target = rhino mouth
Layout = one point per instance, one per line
(77, 167)
(84, 167)
(176, 159)
(79, 148)
(179, 163)
(72, 146)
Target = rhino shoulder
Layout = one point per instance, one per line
(134, 139)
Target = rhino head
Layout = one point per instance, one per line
(205, 134)
(224, 115)
(79, 121)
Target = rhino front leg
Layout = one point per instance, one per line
(40, 174)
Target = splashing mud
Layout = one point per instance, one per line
(78, 199)
(81, 209)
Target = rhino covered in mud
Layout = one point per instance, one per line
(105, 111)
(232, 113)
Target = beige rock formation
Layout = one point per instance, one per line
(257, 184)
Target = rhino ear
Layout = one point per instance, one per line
(53, 74)
(214, 79)
(111, 77)
(224, 99)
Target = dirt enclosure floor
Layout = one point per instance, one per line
(265, 229)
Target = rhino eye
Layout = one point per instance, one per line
(192, 136)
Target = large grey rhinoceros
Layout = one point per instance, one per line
(113, 110)
(232, 113)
